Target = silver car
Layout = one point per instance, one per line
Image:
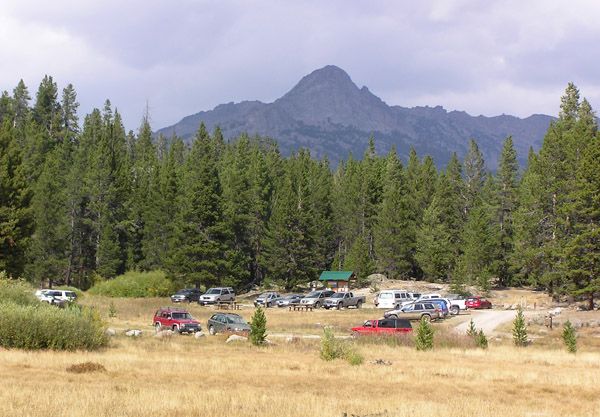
(416, 311)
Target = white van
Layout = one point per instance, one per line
(392, 299)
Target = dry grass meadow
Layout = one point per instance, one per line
(184, 376)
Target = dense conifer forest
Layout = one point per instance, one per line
(83, 200)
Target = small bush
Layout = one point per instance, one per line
(258, 327)
(569, 337)
(405, 339)
(520, 329)
(332, 348)
(135, 284)
(43, 326)
(86, 367)
(424, 339)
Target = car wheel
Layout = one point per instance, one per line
(392, 316)
(269, 305)
(157, 326)
(175, 328)
(427, 317)
(339, 306)
(397, 307)
(317, 304)
(211, 330)
(359, 304)
(454, 310)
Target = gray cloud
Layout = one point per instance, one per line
(186, 56)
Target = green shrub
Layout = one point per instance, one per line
(258, 327)
(332, 348)
(424, 339)
(43, 326)
(135, 284)
(520, 329)
(16, 291)
(569, 337)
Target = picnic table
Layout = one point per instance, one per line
(227, 305)
(300, 307)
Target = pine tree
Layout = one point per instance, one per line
(394, 231)
(424, 339)
(520, 329)
(50, 242)
(21, 108)
(569, 337)
(507, 201)
(471, 330)
(200, 252)
(16, 224)
(258, 327)
(475, 176)
(481, 340)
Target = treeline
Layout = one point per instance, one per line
(78, 202)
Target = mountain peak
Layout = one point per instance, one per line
(323, 79)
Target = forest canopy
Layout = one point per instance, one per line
(83, 200)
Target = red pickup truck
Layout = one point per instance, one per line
(384, 326)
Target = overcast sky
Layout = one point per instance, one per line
(184, 56)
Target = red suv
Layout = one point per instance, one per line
(477, 302)
(384, 326)
(176, 319)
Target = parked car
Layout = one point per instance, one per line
(383, 327)
(316, 298)
(176, 319)
(267, 299)
(290, 299)
(187, 294)
(458, 301)
(57, 297)
(393, 299)
(217, 295)
(442, 303)
(478, 302)
(449, 307)
(227, 322)
(343, 299)
(416, 311)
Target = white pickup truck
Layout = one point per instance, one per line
(455, 302)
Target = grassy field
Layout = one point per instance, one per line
(183, 376)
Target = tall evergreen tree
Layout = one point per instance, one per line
(395, 228)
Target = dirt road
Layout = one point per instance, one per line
(487, 320)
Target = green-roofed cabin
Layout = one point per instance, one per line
(338, 281)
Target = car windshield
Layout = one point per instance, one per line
(235, 319)
(214, 291)
(262, 296)
(181, 316)
(313, 294)
(289, 297)
(71, 294)
(338, 295)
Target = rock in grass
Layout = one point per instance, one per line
(236, 338)
(110, 332)
(199, 335)
(133, 333)
(163, 334)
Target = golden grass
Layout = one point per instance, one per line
(183, 376)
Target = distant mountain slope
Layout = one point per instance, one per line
(327, 113)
